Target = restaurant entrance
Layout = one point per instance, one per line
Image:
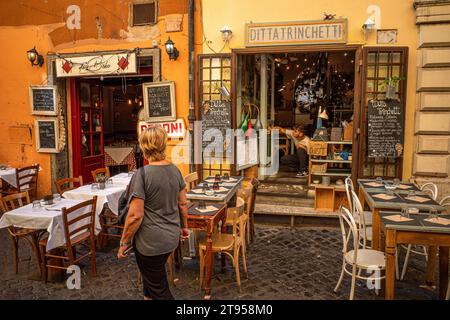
(104, 121)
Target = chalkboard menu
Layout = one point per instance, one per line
(385, 128)
(47, 135)
(43, 100)
(159, 101)
(216, 114)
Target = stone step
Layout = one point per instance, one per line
(287, 210)
(292, 180)
(306, 201)
(288, 190)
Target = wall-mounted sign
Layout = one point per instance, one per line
(47, 136)
(175, 129)
(43, 100)
(92, 65)
(385, 127)
(296, 33)
(159, 101)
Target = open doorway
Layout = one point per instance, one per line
(309, 96)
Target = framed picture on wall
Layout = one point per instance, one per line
(47, 135)
(159, 101)
(43, 100)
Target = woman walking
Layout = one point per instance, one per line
(157, 215)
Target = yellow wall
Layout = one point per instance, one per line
(395, 14)
(16, 73)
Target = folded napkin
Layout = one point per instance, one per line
(383, 196)
(374, 184)
(439, 220)
(397, 218)
(404, 186)
(197, 191)
(221, 189)
(207, 209)
(417, 199)
(211, 180)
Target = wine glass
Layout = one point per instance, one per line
(94, 186)
(56, 197)
(432, 214)
(36, 205)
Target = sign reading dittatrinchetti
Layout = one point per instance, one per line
(296, 33)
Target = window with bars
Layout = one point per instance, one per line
(379, 64)
(214, 74)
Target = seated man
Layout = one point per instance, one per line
(299, 160)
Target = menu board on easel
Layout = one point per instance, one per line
(385, 129)
(159, 101)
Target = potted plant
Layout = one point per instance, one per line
(101, 180)
(390, 85)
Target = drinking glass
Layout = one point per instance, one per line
(432, 214)
(226, 176)
(56, 197)
(94, 186)
(130, 173)
(411, 194)
(202, 205)
(405, 212)
(379, 179)
(216, 186)
(217, 178)
(396, 181)
(36, 205)
(205, 187)
(110, 181)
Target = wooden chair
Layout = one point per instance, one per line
(349, 189)
(26, 178)
(67, 184)
(32, 236)
(431, 189)
(255, 184)
(78, 230)
(110, 227)
(355, 256)
(245, 193)
(191, 179)
(230, 244)
(98, 171)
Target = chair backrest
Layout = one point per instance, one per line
(358, 215)
(98, 171)
(348, 189)
(431, 189)
(79, 223)
(255, 184)
(15, 201)
(67, 184)
(27, 179)
(445, 202)
(349, 231)
(191, 179)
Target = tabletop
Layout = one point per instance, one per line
(45, 218)
(378, 197)
(416, 222)
(9, 176)
(227, 189)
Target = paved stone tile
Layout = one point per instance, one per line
(283, 263)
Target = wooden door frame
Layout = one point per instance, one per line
(310, 48)
(403, 90)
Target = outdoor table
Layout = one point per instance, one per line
(369, 189)
(121, 179)
(110, 195)
(229, 188)
(118, 156)
(207, 221)
(9, 176)
(418, 230)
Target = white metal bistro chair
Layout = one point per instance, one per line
(357, 258)
(349, 188)
(432, 190)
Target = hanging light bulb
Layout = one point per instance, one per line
(130, 102)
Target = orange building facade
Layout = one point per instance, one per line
(68, 29)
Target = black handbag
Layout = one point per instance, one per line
(125, 197)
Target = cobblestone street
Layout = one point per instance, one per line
(284, 263)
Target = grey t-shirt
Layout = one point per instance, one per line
(159, 232)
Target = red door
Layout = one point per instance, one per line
(87, 127)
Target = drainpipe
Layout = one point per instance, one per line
(191, 117)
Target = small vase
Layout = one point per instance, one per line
(390, 92)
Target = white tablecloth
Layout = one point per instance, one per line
(9, 175)
(47, 219)
(118, 154)
(109, 195)
(121, 179)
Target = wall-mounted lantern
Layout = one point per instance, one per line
(35, 58)
(226, 33)
(171, 50)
